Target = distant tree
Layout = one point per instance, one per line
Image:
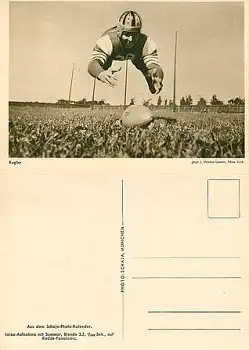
(82, 102)
(236, 101)
(165, 102)
(159, 101)
(182, 101)
(186, 101)
(146, 103)
(201, 102)
(171, 103)
(189, 100)
(215, 101)
(62, 101)
(102, 102)
(132, 101)
(240, 101)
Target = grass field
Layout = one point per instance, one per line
(60, 132)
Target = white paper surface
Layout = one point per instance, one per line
(121, 253)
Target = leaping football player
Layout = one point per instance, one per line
(126, 42)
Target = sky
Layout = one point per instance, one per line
(46, 38)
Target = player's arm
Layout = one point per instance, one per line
(154, 73)
(99, 61)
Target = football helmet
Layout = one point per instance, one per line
(129, 21)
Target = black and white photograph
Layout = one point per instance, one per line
(126, 79)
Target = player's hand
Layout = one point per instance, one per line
(115, 70)
(156, 81)
(107, 77)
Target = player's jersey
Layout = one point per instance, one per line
(108, 48)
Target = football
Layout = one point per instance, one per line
(137, 116)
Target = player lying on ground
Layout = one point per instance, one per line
(126, 42)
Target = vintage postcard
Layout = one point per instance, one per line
(164, 81)
(124, 175)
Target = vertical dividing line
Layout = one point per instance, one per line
(122, 317)
(122, 202)
(126, 78)
(93, 94)
(122, 263)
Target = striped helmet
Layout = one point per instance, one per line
(129, 21)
